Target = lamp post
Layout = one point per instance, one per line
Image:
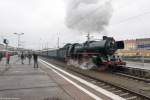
(58, 40)
(19, 34)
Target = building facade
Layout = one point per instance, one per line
(130, 53)
(143, 44)
(136, 47)
(130, 44)
(2, 47)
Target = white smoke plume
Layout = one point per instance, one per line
(88, 15)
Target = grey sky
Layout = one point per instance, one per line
(43, 20)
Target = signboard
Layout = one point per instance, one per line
(144, 46)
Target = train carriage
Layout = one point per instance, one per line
(52, 53)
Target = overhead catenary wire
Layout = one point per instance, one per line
(129, 19)
(132, 18)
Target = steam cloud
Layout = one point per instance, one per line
(88, 15)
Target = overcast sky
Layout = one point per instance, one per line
(42, 21)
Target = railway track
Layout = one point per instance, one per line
(147, 81)
(134, 73)
(116, 89)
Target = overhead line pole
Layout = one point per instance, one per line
(19, 34)
(58, 41)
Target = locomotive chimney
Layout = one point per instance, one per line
(104, 37)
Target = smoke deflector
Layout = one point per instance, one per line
(120, 44)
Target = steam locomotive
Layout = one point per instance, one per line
(91, 54)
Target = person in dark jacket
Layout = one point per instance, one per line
(35, 58)
(22, 58)
(29, 57)
(1, 56)
(7, 58)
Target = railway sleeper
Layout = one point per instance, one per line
(111, 89)
(123, 94)
(128, 96)
(135, 72)
(98, 82)
(117, 91)
(132, 98)
(102, 84)
(138, 79)
(139, 73)
(94, 82)
(107, 86)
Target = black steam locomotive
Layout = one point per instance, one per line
(91, 54)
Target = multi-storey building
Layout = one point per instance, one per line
(2, 46)
(143, 44)
(137, 47)
(130, 44)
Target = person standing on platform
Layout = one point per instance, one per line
(29, 57)
(7, 58)
(1, 56)
(22, 58)
(35, 58)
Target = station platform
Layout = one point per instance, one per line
(23, 82)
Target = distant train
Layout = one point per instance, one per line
(91, 54)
